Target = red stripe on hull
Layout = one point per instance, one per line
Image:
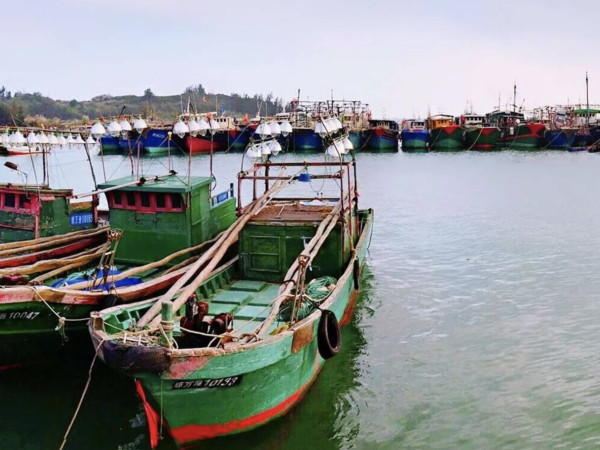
(199, 145)
(52, 253)
(483, 147)
(486, 131)
(449, 129)
(192, 433)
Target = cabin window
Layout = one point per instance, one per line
(131, 199)
(176, 201)
(161, 201)
(24, 202)
(145, 199)
(116, 197)
(9, 201)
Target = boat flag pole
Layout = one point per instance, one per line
(587, 101)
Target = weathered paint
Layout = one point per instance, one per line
(275, 372)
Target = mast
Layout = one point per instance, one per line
(515, 97)
(587, 101)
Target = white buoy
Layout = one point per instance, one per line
(194, 127)
(286, 128)
(321, 129)
(275, 147)
(32, 139)
(214, 126)
(203, 126)
(70, 141)
(114, 129)
(97, 130)
(275, 128)
(347, 145)
(140, 125)
(181, 129)
(253, 151)
(263, 130)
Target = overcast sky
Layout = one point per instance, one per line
(404, 58)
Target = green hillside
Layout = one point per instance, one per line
(34, 109)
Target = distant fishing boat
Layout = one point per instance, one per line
(478, 134)
(414, 136)
(110, 144)
(444, 133)
(516, 134)
(382, 134)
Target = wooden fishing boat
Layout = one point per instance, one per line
(414, 136)
(382, 134)
(246, 338)
(478, 135)
(161, 225)
(444, 133)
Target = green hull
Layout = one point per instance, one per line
(482, 138)
(441, 140)
(156, 150)
(257, 384)
(31, 332)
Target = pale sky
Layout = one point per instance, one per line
(404, 58)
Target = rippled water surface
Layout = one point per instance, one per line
(478, 326)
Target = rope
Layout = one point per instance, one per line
(85, 389)
(476, 139)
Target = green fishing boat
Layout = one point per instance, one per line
(242, 343)
(160, 225)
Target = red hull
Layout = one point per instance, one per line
(201, 145)
(484, 147)
(52, 253)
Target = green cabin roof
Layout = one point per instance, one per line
(586, 111)
(172, 183)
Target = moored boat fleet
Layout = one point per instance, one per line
(221, 310)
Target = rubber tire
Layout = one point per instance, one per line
(329, 335)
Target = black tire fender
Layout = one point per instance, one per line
(329, 336)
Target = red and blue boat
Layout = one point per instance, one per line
(414, 136)
(382, 134)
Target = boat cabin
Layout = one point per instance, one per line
(413, 125)
(383, 123)
(505, 118)
(162, 215)
(272, 240)
(31, 212)
(472, 120)
(440, 121)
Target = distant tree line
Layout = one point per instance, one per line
(18, 108)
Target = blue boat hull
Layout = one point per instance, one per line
(234, 139)
(305, 139)
(378, 139)
(110, 144)
(414, 140)
(156, 142)
(559, 139)
(582, 139)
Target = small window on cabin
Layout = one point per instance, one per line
(176, 201)
(161, 201)
(145, 197)
(131, 199)
(24, 202)
(9, 200)
(117, 200)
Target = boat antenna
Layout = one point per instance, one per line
(587, 101)
(515, 97)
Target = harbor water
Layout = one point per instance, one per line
(477, 326)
